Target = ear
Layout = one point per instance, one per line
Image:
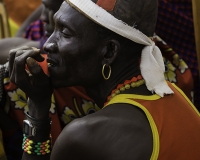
(110, 51)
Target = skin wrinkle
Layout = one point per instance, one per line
(80, 62)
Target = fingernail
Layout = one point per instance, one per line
(35, 49)
(30, 61)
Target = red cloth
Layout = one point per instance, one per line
(67, 104)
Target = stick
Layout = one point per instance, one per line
(196, 18)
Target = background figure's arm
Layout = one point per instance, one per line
(7, 44)
(33, 17)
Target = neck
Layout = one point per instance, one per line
(100, 92)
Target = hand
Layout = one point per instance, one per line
(35, 83)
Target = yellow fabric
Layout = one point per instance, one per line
(2, 152)
(124, 98)
(168, 118)
(13, 27)
(183, 94)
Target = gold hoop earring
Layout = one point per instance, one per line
(106, 78)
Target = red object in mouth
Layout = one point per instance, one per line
(43, 65)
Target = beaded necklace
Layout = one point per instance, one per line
(134, 82)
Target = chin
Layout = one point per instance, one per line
(60, 84)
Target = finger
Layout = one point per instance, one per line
(18, 74)
(19, 48)
(17, 65)
(38, 75)
(38, 57)
(12, 54)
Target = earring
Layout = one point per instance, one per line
(106, 78)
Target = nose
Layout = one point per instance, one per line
(50, 47)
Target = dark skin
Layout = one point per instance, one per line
(76, 55)
(49, 7)
(45, 12)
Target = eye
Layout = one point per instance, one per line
(66, 33)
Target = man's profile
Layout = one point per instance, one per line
(106, 47)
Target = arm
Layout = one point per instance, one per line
(37, 87)
(7, 44)
(33, 17)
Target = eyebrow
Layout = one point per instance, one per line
(59, 20)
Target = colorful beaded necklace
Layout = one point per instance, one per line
(134, 82)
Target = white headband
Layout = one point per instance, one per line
(152, 65)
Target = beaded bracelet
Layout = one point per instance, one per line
(37, 148)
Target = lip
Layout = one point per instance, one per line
(51, 62)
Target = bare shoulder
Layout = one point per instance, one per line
(114, 133)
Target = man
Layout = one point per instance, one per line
(141, 116)
(67, 103)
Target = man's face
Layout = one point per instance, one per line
(50, 7)
(74, 50)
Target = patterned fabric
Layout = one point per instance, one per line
(72, 102)
(35, 31)
(67, 104)
(176, 70)
(175, 25)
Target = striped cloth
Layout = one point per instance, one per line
(35, 31)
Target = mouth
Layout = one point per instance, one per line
(51, 62)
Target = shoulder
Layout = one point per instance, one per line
(110, 133)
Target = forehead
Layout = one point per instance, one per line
(68, 15)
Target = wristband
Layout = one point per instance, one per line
(36, 148)
(35, 128)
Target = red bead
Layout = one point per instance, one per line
(127, 82)
(113, 91)
(108, 97)
(134, 79)
(119, 86)
(139, 77)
